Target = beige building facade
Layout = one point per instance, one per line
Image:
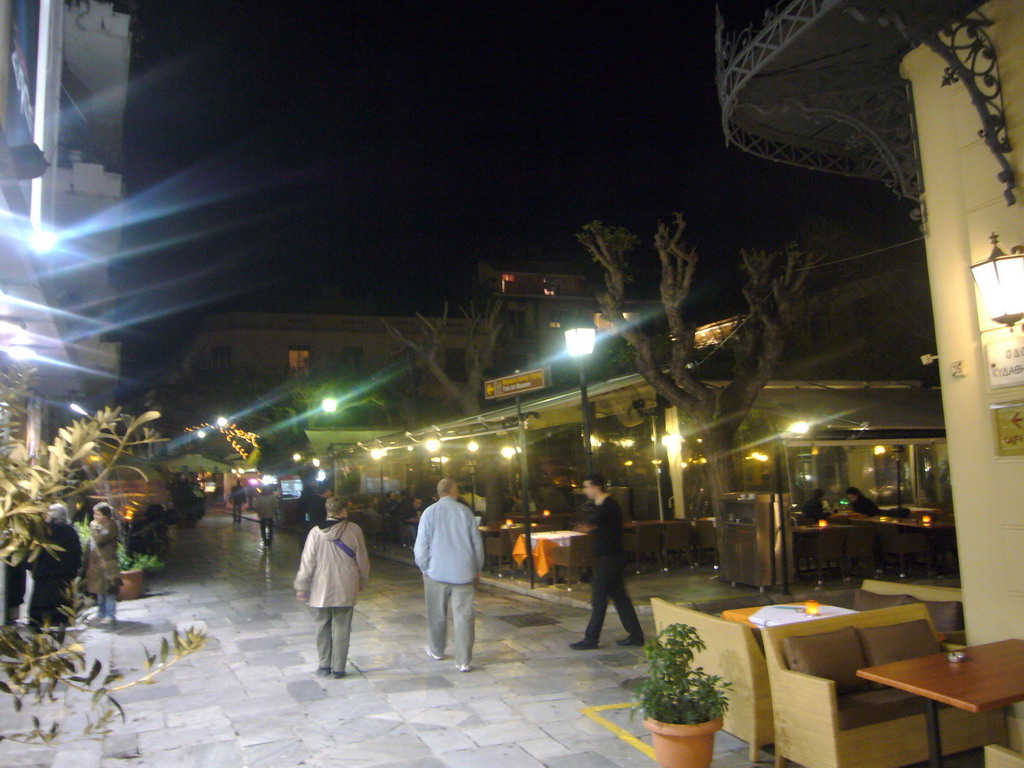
(964, 204)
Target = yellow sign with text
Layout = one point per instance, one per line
(516, 384)
(1009, 430)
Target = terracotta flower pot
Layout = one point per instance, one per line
(131, 584)
(683, 746)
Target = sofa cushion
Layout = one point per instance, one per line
(869, 707)
(863, 600)
(897, 642)
(947, 615)
(833, 655)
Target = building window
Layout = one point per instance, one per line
(517, 323)
(506, 283)
(554, 324)
(298, 361)
(220, 357)
(351, 357)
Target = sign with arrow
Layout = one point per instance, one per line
(516, 384)
(1009, 430)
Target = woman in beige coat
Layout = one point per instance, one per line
(102, 574)
(333, 571)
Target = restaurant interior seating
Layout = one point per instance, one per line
(643, 545)
(734, 653)
(823, 550)
(707, 540)
(678, 541)
(860, 545)
(575, 557)
(902, 546)
(827, 717)
(498, 548)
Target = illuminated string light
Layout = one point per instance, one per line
(235, 436)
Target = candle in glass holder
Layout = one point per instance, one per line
(812, 608)
(509, 522)
(822, 523)
(925, 519)
(547, 513)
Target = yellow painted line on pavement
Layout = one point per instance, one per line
(622, 733)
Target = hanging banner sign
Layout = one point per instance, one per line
(516, 384)
(1006, 362)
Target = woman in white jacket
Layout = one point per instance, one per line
(333, 571)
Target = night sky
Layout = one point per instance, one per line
(385, 147)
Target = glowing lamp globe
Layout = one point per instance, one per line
(1000, 279)
(579, 341)
(43, 241)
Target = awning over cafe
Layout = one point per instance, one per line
(818, 84)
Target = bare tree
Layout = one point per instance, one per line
(481, 333)
(773, 287)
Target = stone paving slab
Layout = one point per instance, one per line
(251, 699)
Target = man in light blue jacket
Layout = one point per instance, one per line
(450, 554)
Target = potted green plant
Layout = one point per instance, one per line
(133, 568)
(682, 704)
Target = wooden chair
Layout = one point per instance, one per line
(734, 653)
(678, 539)
(861, 544)
(707, 540)
(900, 545)
(576, 556)
(806, 709)
(643, 541)
(820, 548)
(498, 548)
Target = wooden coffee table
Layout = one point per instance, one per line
(992, 676)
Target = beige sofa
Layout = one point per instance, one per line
(734, 653)
(926, 593)
(1000, 757)
(818, 727)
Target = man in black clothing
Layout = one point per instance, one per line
(605, 524)
(814, 509)
(53, 571)
(861, 503)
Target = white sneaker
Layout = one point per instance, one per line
(433, 655)
(462, 667)
(108, 621)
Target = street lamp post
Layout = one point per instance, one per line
(378, 455)
(579, 343)
(473, 447)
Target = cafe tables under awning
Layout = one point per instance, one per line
(543, 546)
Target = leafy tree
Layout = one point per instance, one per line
(39, 667)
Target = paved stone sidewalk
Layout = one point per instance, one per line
(251, 699)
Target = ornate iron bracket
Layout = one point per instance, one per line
(971, 60)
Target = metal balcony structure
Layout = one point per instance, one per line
(818, 85)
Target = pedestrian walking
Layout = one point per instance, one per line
(605, 524)
(334, 569)
(102, 575)
(237, 501)
(267, 504)
(450, 553)
(54, 571)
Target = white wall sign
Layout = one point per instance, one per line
(1006, 362)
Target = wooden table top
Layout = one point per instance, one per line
(992, 676)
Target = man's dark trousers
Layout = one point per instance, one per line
(608, 583)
